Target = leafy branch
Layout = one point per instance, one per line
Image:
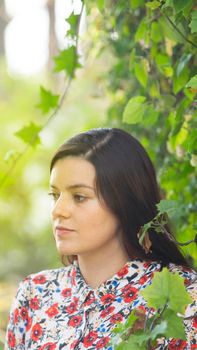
(163, 316)
(66, 61)
(165, 207)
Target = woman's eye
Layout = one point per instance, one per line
(55, 196)
(79, 198)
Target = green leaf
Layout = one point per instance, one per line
(192, 83)
(179, 5)
(167, 206)
(156, 32)
(167, 288)
(175, 327)
(159, 330)
(66, 61)
(153, 5)
(183, 61)
(141, 71)
(187, 9)
(29, 134)
(180, 80)
(134, 110)
(150, 116)
(73, 21)
(142, 31)
(47, 100)
(154, 89)
(138, 341)
(131, 319)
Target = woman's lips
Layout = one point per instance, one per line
(62, 231)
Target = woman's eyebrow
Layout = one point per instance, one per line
(79, 185)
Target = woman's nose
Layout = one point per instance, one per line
(61, 208)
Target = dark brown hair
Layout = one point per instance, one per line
(126, 181)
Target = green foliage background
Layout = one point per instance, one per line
(138, 72)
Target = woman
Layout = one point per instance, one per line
(104, 188)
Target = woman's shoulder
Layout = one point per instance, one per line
(189, 275)
(45, 279)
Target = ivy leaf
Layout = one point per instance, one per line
(192, 83)
(175, 327)
(73, 21)
(66, 61)
(134, 110)
(193, 23)
(167, 288)
(29, 134)
(167, 206)
(47, 100)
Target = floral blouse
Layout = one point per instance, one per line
(56, 309)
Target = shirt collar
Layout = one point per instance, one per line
(131, 272)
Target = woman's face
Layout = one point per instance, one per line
(94, 229)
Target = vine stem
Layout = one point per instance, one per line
(62, 98)
(155, 319)
(178, 30)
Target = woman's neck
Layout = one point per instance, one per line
(97, 269)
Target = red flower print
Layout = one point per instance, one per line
(53, 310)
(48, 346)
(24, 313)
(34, 303)
(29, 323)
(89, 339)
(107, 311)
(177, 344)
(39, 279)
(194, 324)
(130, 294)
(36, 332)
(126, 288)
(90, 299)
(73, 277)
(107, 298)
(75, 321)
(146, 264)
(74, 343)
(71, 308)
(122, 272)
(193, 346)
(102, 342)
(11, 339)
(186, 281)
(16, 315)
(116, 318)
(66, 292)
(143, 279)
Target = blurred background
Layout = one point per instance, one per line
(31, 33)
